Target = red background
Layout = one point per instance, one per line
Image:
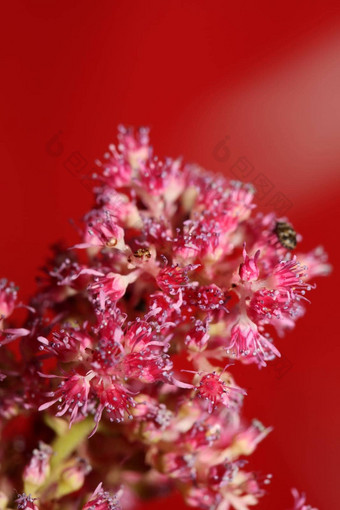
(267, 76)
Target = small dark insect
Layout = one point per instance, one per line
(142, 252)
(286, 235)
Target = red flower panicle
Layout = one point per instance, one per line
(173, 263)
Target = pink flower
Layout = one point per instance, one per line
(25, 501)
(147, 366)
(224, 473)
(102, 231)
(197, 338)
(214, 390)
(112, 286)
(72, 395)
(134, 146)
(68, 344)
(8, 297)
(115, 400)
(246, 341)
(9, 334)
(102, 500)
(288, 277)
(316, 262)
(300, 501)
(138, 336)
(246, 441)
(171, 278)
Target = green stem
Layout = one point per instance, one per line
(64, 445)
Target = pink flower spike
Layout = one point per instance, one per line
(178, 274)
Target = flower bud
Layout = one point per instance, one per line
(249, 270)
(38, 469)
(73, 476)
(3, 501)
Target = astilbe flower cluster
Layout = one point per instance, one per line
(119, 371)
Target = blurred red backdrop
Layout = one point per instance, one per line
(267, 77)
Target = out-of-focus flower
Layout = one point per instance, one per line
(102, 500)
(25, 501)
(300, 501)
(8, 298)
(38, 469)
